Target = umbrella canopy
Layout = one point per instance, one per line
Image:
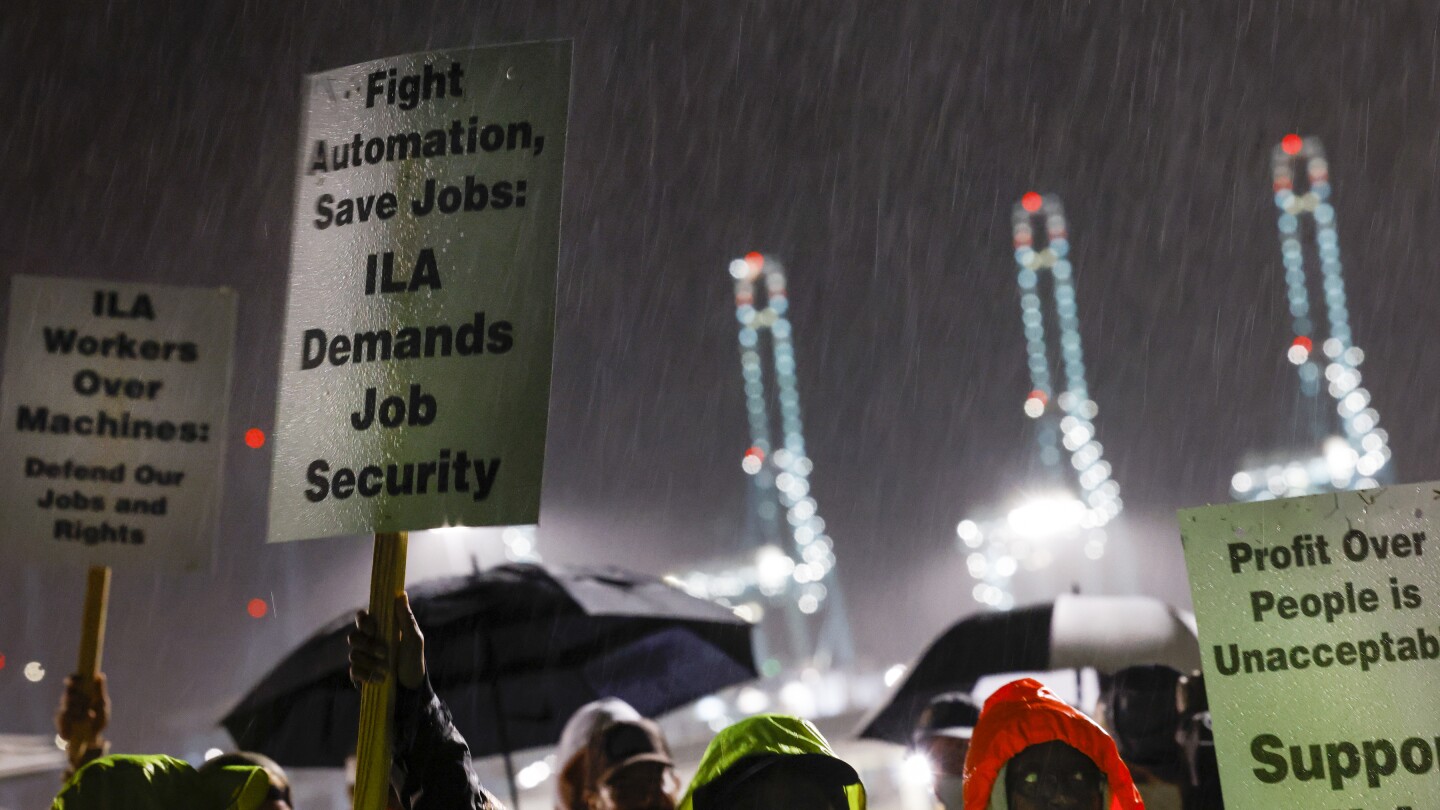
(1107, 633)
(513, 651)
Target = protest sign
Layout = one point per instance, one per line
(113, 437)
(415, 368)
(1319, 624)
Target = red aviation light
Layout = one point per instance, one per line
(255, 438)
(755, 260)
(1292, 144)
(257, 608)
(1031, 201)
(1304, 343)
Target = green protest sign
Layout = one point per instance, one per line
(1319, 624)
(415, 368)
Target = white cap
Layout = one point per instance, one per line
(583, 722)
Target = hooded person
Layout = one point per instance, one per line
(1033, 751)
(942, 734)
(773, 762)
(572, 752)
(127, 782)
(629, 767)
(235, 781)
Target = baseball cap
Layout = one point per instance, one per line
(621, 743)
(951, 714)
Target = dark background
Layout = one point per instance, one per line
(878, 147)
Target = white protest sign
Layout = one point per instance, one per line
(113, 436)
(415, 369)
(1320, 637)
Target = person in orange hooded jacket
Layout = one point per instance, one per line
(1032, 751)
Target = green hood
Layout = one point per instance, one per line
(763, 734)
(160, 783)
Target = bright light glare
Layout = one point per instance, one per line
(532, 775)
(1046, 516)
(915, 770)
(211, 753)
(773, 567)
(752, 700)
(34, 672)
(894, 674)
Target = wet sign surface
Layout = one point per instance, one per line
(1320, 637)
(113, 438)
(415, 369)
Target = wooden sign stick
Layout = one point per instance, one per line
(377, 700)
(92, 648)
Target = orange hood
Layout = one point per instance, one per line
(1024, 713)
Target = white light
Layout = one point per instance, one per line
(1095, 549)
(1005, 566)
(1241, 482)
(978, 565)
(1044, 517)
(532, 775)
(1339, 457)
(772, 568)
(1296, 477)
(915, 770)
(1034, 407)
(1354, 356)
(34, 672)
(750, 611)
(969, 531)
(709, 708)
(808, 604)
(1297, 354)
(798, 699)
(1369, 464)
(1090, 409)
(739, 269)
(60, 743)
(750, 463)
(894, 674)
(752, 700)
(211, 753)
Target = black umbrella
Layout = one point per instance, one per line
(513, 651)
(1107, 633)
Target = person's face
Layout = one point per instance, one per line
(774, 789)
(1053, 776)
(947, 755)
(642, 786)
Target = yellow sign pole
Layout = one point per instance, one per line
(92, 648)
(377, 700)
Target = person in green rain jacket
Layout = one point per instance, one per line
(125, 782)
(773, 762)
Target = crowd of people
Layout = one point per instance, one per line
(1023, 749)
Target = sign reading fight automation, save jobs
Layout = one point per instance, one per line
(415, 369)
(1320, 637)
(113, 434)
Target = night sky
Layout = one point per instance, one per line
(877, 148)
